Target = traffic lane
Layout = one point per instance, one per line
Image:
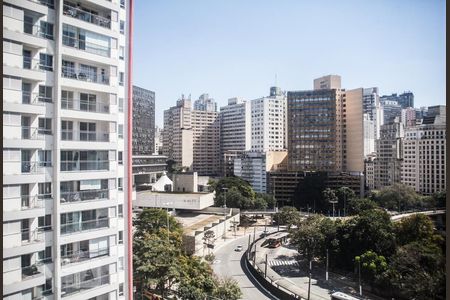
(229, 263)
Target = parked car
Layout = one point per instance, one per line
(238, 248)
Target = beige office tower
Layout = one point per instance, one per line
(65, 82)
(424, 155)
(192, 137)
(328, 82)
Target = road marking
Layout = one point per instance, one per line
(283, 263)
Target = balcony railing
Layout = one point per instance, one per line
(35, 98)
(31, 167)
(93, 48)
(29, 202)
(80, 256)
(86, 16)
(26, 236)
(85, 225)
(87, 165)
(75, 135)
(84, 75)
(32, 271)
(84, 105)
(32, 29)
(26, 132)
(67, 290)
(48, 3)
(67, 197)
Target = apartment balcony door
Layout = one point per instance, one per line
(25, 195)
(25, 229)
(26, 130)
(26, 59)
(26, 93)
(26, 161)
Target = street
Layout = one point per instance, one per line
(228, 263)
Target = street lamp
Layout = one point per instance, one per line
(225, 212)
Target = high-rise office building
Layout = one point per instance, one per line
(268, 122)
(408, 117)
(391, 110)
(143, 121)
(192, 137)
(205, 103)
(65, 176)
(405, 99)
(158, 140)
(424, 155)
(389, 154)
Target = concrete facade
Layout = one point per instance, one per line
(65, 82)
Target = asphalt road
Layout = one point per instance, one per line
(229, 263)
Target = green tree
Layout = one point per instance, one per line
(233, 198)
(440, 198)
(288, 215)
(330, 197)
(397, 196)
(373, 267)
(197, 280)
(308, 238)
(417, 271)
(344, 194)
(155, 262)
(417, 227)
(267, 198)
(152, 220)
(242, 186)
(227, 289)
(356, 206)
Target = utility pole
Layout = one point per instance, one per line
(359, 273)
(265, 269)
(225, 213)
(309, 281)
(326, 272)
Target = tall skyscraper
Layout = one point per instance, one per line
(143, 121)
(204, 103)
(424, 155)
(389, 154)
(192, 137)
(65, 150)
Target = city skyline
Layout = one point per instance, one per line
(192, 49)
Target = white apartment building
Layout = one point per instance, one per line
(64, 143)
(424, 158)
(235, 126)
(269, 122)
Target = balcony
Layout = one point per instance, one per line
(84, 225)
(90, 136)
(67, 290)
(26, 236)
(28, 28)
(81, 255)
(70, 197)
(84, 105)
(89, 47)
(48, 3)
(87, 165)
(85, 16)
(84, 75)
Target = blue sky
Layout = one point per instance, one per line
(230, 48)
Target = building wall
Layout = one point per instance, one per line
(354, 137)
(327, 82)
(65, 104)
(189, 201)
(206, 142)
(143, 121)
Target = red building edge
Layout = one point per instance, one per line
(129, 224)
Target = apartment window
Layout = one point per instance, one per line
(45, 93)
(67, 130)
(120, 237)
(45, 190)
(45, 223)
(45, 158)
(120, 209)
(121, 52)
(121, 263)
(45, 126)
(120, 157)
(45, 62)
(122, 27)
(66, 100)
(120, 184)
(87, 131)
(45, 256)
(121, 104)
(88, 102)
(121, 289)
(121, 78)
(120, 131)
(46, 30)
(122, 3)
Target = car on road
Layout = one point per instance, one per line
(238, 248)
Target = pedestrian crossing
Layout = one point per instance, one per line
(283, 262)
